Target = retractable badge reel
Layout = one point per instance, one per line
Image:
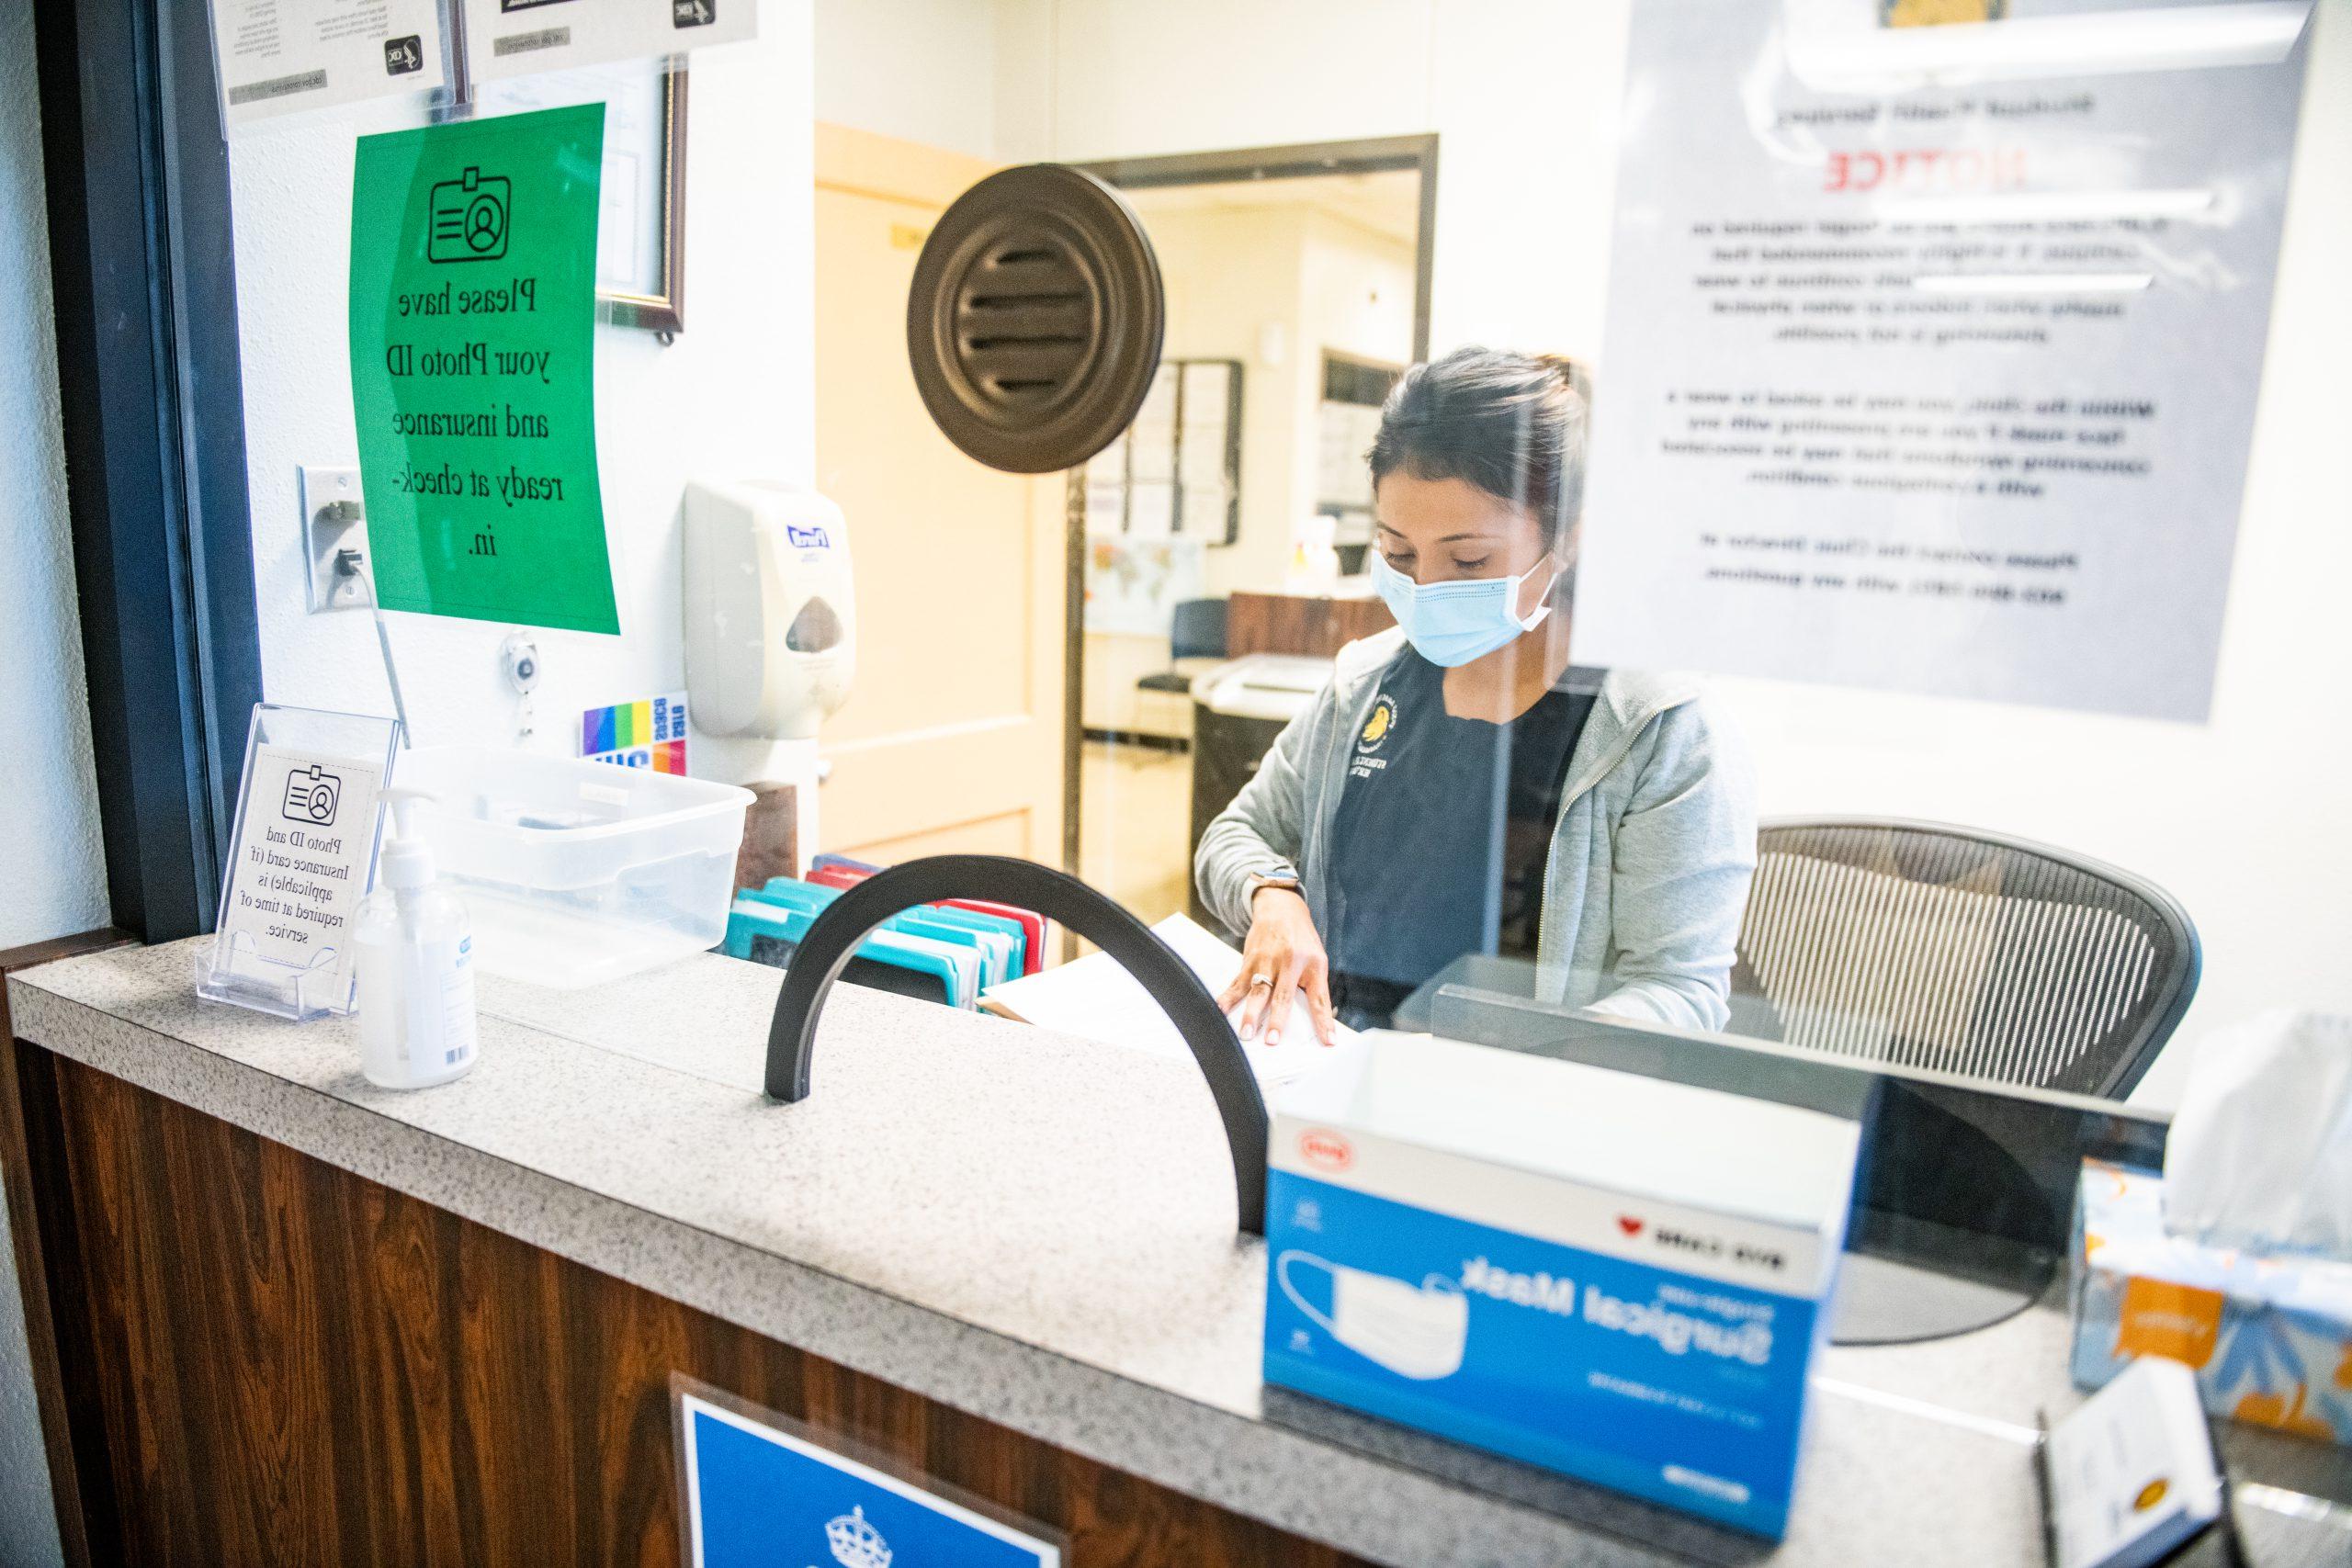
(519, 660)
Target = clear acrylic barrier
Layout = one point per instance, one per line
(1966, 1192)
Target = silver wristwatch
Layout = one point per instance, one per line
(1264, 880)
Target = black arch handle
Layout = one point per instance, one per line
(834, 937)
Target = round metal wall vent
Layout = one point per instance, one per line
(1035, 319)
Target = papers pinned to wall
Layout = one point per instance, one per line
(516, 38)
(281, 57)
(1133, 585)
(1177, 469)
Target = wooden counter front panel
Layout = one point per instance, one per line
(270, 1360)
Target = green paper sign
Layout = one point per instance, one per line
(473, 309)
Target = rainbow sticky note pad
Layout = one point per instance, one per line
(647, 734)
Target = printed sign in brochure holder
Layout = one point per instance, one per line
(301, 856)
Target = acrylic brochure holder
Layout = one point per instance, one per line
(301, 855)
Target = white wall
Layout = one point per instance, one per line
(52, 880)
(731, 397)
(920, 70)
(1230, 272)
(1355, 297)
(1523, 95)
(2243, 818)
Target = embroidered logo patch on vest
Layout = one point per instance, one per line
(1376, 727)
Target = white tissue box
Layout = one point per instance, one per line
(1603, 1274)
(2269, 1337)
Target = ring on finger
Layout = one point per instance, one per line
(1258, 981)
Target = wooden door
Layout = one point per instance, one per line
(951, 738)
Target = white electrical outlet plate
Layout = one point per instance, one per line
(334, 518)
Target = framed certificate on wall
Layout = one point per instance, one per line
(641, 225)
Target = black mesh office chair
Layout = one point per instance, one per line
(1928, 945)
(1196, 630)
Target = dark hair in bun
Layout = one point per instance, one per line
(1513, 425)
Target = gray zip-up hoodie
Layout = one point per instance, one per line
(1649, 865)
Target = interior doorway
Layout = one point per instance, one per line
(1232, 520)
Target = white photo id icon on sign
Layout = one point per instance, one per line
(299, 862)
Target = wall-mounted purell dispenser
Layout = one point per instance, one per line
(770, 620)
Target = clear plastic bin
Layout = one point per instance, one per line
(577, 872)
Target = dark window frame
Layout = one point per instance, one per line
(144, 276)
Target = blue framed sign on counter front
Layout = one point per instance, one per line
(760, 1496)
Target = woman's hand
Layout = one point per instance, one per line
(1283, 948)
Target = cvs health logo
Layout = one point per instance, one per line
(1326, 1150)
(1753, 1255)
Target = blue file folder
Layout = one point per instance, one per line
(1002, 942)
(769, 931)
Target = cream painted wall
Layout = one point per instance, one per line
(731, 397)
(2241, 818)
(1323, 283)
(53, 880)
(920, 70)
(1230, 272)
(1355, 297)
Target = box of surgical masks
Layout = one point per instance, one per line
(1601, 1273)
(2268, 1337)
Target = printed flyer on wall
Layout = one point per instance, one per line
(473, 287)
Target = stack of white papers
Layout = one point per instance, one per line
(1097, 998)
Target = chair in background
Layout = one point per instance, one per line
(1196, 631)
(1926, 945)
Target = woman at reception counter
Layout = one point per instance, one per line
(1457, 787)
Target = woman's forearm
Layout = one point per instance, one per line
(1259, 835)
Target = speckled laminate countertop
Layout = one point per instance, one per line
(1033, 1228)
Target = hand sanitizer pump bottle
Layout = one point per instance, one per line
(416, 967)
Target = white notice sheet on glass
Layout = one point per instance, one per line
(515, 38)
(281, 56)
(1931, 351)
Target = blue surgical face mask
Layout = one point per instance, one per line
(1451, 624)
